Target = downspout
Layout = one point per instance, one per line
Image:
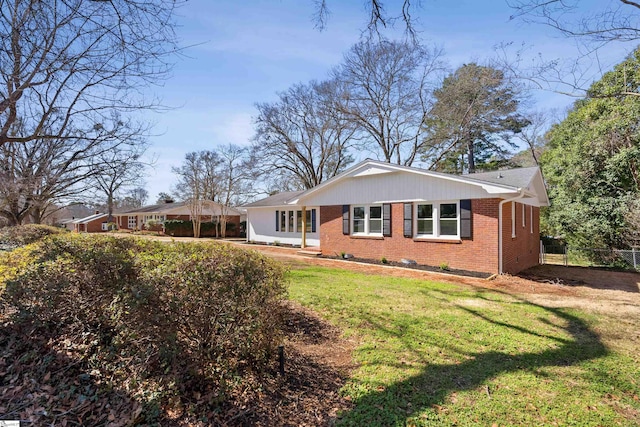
(519, 196)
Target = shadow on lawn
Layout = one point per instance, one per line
(402, 400)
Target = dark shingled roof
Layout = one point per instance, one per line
(279, 199)
(519, 178)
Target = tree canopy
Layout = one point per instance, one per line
(592, 165)
(472, 121)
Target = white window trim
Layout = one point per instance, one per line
(524, 221)
(367, 209)
(160, 218)
(297, 227)
(436, 221)
(513, 220)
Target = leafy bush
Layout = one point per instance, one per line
(180, 315)
(184, 228)
(24, 234)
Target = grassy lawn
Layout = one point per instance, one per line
(431, 353)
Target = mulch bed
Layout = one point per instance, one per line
(415, 266)
(46, 381)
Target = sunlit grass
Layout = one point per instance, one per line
(433, 353)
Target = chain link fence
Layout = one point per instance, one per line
(590, 257)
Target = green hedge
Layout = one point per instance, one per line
(184, 228)
(173, 314)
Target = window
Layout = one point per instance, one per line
(439, 220)
(131, 223)
(157, 218)
(375, 219)
(449, 219)
(425, 220)
(367, 220)
(291, 223)
(283, 221)
(358, 219)
(299, 221)
(310, 220)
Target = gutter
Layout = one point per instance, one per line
(519, 196)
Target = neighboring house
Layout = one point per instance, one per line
(67, 224)
(485, 222)
(138, 218)
(91, 224)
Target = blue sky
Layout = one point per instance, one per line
(244, 52)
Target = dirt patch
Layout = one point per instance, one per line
(597, 278)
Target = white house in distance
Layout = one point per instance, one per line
(484, 222)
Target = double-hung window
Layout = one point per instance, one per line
(425, 220)
(448, 219)
(367, 220)
(299, 221)
(437, 220)
(283, 221)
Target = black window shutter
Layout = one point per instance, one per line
(466, 225)
(386, 220)
(345, 219)
(313, 220)
(277, 220)
(408, 220)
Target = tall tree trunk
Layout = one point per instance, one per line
(471, 156)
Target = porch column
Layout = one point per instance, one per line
(304, 228)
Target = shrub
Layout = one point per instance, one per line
(184, 228)
(200, 312)
(444, 266)
(21, 235)
(384, 260)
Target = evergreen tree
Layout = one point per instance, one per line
(592, 165)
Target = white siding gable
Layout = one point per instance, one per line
(397, 186)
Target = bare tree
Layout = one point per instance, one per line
(198, 180)
(38, 175)
(136, 197)
(69, 65)
(615, 20)
(378, 16)
(119, 168)
(235, 177)
(303, 135)
(534, 137)
(388, 87)
(592, 28)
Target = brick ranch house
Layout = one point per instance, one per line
(95, 223)
(484, 222)
(138, 218)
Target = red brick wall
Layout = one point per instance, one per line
(478, 254)
(95, 226)
(522, 251)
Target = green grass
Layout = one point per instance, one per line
(433, 353)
